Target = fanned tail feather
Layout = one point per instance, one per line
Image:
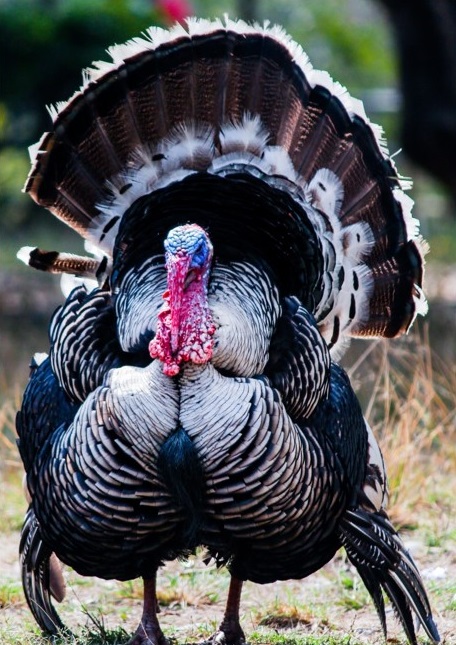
(55, 262)
(41, 576)
(224, 97)
(377, 552)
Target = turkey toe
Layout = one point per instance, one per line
(148, 634)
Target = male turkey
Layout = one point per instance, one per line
(247, 220)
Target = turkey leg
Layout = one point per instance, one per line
(149, 631)
(230, 631)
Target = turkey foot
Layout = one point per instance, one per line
(230, 631)
(228, 634)
(149, 631)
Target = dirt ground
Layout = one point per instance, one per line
(192, 599)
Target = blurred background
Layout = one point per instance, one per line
(398, 57)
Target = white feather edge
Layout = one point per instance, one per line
(24, 253)
(413, 233)
(251, 126)
(154, 37)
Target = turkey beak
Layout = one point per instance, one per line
(178, 267)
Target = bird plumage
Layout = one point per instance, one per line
(247, 220)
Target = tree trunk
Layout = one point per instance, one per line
(247, 9)
(426, 43)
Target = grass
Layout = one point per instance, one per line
(280, 639)
(412, 410)
(10, 593)
(409, 396)
(120, 636)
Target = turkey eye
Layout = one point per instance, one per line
(199, 255)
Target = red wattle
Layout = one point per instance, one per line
(184, 327)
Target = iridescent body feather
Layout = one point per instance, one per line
(246, 221)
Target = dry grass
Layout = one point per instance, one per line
(8, 449)
(412, 410)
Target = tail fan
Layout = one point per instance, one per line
(55, 262)
(226, 98)
(377, 552)
(41, 576)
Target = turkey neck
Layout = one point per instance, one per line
(243, 301)
(184, 326)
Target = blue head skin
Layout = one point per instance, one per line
(189, 241)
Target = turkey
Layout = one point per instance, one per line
(244, 221)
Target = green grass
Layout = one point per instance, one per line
(10, 593)
(12, 502)
(271, 638)
(120, 637)
(86, 637)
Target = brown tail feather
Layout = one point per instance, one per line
(120, 125)
(214, 77)
(56, 262)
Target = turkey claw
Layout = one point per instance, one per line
(144, 636)
(143, 639)
(222, 637)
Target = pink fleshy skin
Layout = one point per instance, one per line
(195, 329)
